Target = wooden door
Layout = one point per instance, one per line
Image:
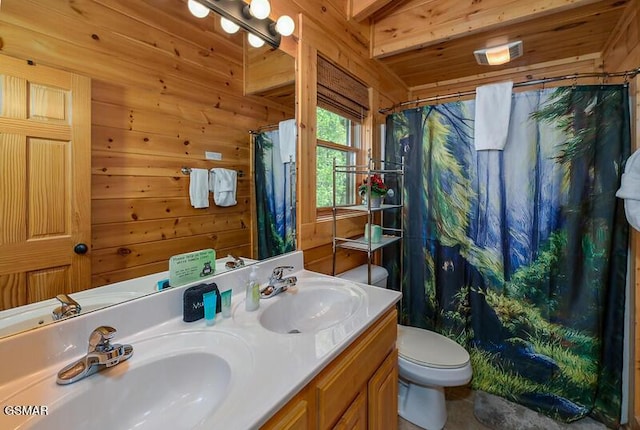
(45, 182)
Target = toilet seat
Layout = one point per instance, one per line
(430, 349)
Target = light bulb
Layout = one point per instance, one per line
(498, 56)
(260, 8)
(285, 25)
(254, 40)
(197, 9)
(229, 26)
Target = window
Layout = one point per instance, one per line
(339, 138)
(343, 103)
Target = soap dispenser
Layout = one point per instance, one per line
(252, 301)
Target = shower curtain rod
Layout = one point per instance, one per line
(627, 75)
(264, 128)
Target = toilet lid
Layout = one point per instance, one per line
(426, 348)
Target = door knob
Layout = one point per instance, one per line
(80, 248)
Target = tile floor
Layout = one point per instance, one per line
(460, 401)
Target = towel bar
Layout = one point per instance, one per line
(187, 171)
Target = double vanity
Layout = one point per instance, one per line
(319, 355)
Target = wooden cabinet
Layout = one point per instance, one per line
(355, 417)
(293, 416)
(357, 390)
(382, 395)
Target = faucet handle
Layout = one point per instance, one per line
(276, 275)
(67, 307)
(100, 337)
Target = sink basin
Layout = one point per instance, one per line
(171, 381)
(317, 305)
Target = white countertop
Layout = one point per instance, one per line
(279, 365)
(287, 362)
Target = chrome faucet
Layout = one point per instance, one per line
(234, 263)
(101, 354)
(278, 284)
(68, 307)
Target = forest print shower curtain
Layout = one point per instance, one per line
(275, 197)
(520, 255)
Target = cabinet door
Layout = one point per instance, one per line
(294, 416)
(383, 395)
(355, 417)
(340, 383)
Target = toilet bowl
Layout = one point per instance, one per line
(427, 362)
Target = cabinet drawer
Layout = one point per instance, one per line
(341, 382)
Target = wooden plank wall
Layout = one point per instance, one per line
(165, 88)
(622, 52)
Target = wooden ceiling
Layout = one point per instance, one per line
(427, 41)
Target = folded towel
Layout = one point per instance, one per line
(288, 133)
(223, 184)
(493, 112)
(199, 188)
(630, 190)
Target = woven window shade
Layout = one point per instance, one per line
(339, 92)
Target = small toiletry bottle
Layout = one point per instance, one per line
(210, 301)
(252, 301)
(226, 303)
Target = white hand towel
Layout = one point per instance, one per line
(199, 188)
(223, 184)
(493, 112)
(288, 133)
(630, 190)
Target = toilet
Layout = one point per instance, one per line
(427, 362)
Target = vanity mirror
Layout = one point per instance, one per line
(128, 144)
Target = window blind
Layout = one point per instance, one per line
(340, 92)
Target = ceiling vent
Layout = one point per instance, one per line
(499, 54)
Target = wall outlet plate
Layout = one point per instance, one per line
(209, 155)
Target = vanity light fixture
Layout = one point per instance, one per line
(197, 9)
(255, 41)
(229, 26)
(253, 17)
(501, 54)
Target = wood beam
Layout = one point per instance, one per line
(420, 23)
(362, 9)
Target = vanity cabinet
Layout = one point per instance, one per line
(355, 417)
(293, 416)
(357, 390)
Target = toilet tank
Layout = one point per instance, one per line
(359, 274)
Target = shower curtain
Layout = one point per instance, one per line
(275, 197)
(520, 255)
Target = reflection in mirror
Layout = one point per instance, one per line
(269, 76)
(43, 312)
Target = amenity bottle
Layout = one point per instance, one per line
(252, 301)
